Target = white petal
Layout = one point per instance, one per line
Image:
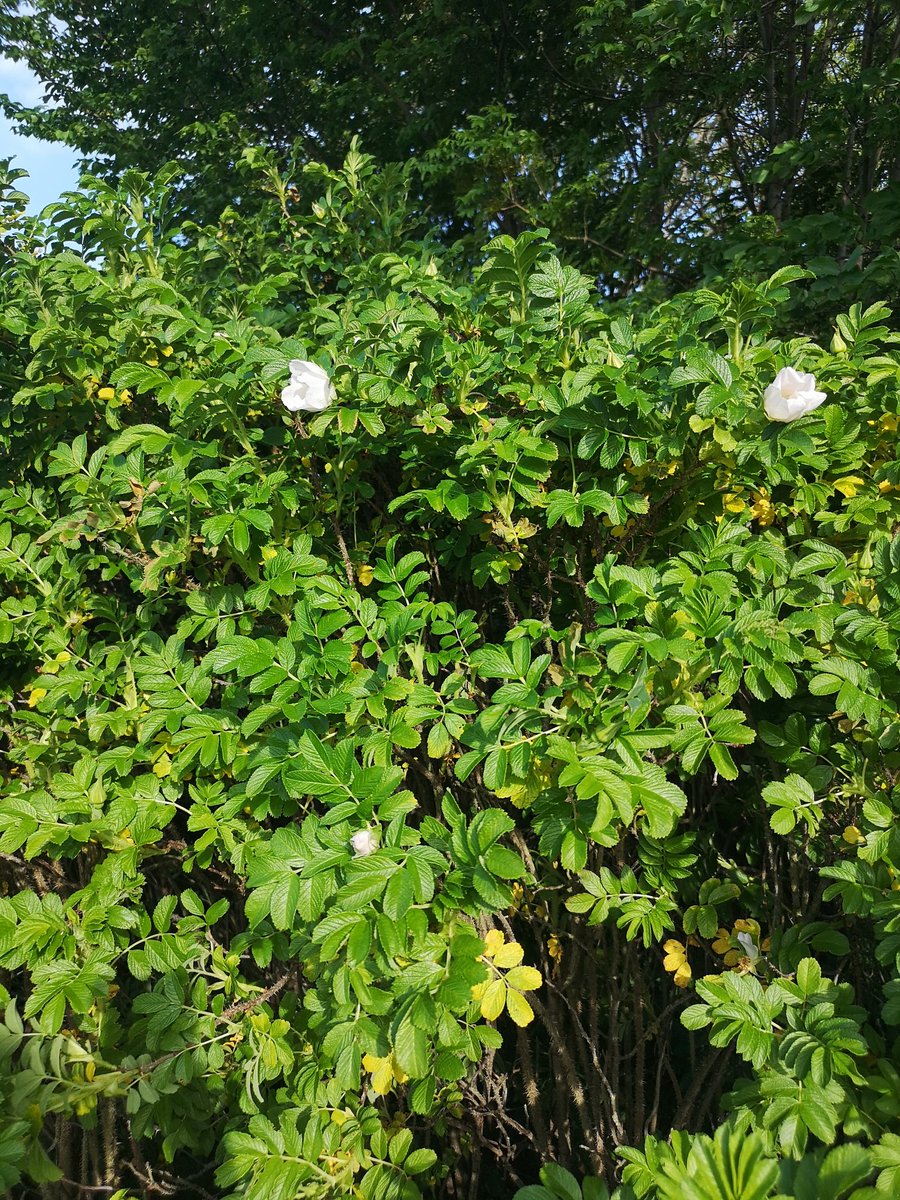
(790, 381)
(317, 403)
(749, 946)
(363, 843)
(814, 399)
(309, 371)
(293, 398)
(776, 405)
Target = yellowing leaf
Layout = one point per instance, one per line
(365, 574)
(162, 767)
(492, 942)
(37, 694)
(519, 1009)
(509, 955)
(493, 1000)
(383, 1078)
(762, 509)
(682, 976)
(852, 835)
(676, 957)
(848, 485)
(526, 979)
(385, 1072)
(747, 925)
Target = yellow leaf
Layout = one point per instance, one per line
(682, 976)
(762, 509)
(848, 485)
(526, 979)
(722, 944)
(747, 925)
(106, 393)
(492, 942)
(162, 766)
(493, 1000)
(383, 1077)
(37, 694)
(519, 1009)
(478, 989)
(509, 955)
(676, 955)
(852, 835)
(365, 574)
(732, 502)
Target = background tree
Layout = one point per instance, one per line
(656, 141)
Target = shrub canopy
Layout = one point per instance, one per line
(474, 778)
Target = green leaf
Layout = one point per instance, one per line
(411, 1049)
(560, 1182)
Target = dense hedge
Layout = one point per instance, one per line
(485, 778)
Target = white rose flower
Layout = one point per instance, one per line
(792, 394)
(751, 950)
(363, 842)
(309, 390)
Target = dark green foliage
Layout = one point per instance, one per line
(656, 141)
(588, 651)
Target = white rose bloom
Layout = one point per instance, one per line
(791, 395)
(309, 390)
(363, 842)
(751, 950)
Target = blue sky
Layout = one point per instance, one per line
(50, 165)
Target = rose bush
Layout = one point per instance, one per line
(492, 780)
